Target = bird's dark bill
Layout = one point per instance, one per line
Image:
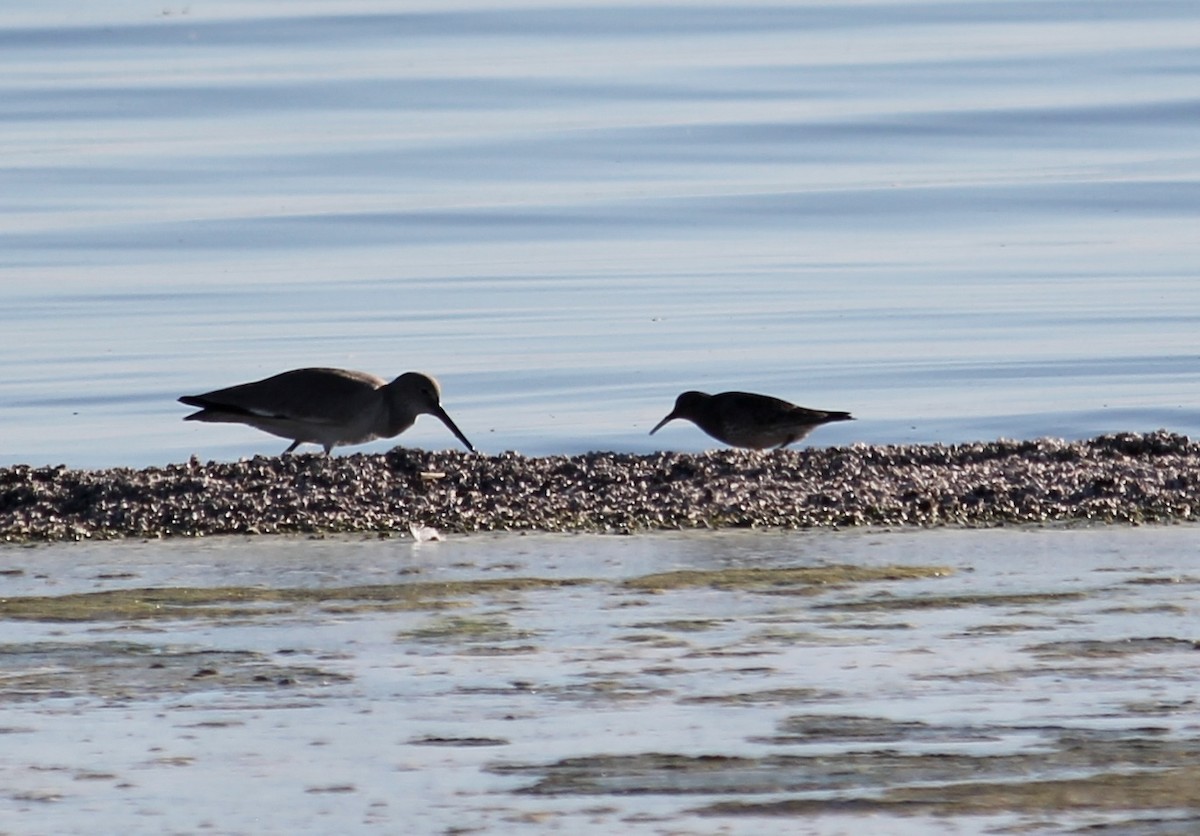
(660, 424)
(445, 419)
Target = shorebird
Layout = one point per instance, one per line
(326, 406)
(744, 419)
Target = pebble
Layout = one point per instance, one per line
(1123, 478)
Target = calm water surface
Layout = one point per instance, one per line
(603, 706)
(957, 220)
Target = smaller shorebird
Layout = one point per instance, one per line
(744, 419)
(326, 406)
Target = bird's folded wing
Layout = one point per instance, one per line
(315, 396)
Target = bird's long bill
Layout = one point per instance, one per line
(445, 419)
(659, 425)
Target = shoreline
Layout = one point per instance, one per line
(1126, 478)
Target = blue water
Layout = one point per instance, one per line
(958, 220)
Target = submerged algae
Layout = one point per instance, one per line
(248, 602)
(230, 602)
(774, 579)
(117, 670)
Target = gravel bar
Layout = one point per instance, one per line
(1123, 478)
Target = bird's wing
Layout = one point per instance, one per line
(752, 409)
(318, 396)
(812, 416)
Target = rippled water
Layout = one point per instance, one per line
(1015, 682)
(957, 220)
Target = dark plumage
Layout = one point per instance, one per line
(743, 419)
(329, 407)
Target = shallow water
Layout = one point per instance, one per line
(995, 681)
(958, 221)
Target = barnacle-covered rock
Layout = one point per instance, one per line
(1122, 478)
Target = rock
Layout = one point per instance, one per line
(1124, 478)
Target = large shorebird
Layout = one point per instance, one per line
(744, 419)
(326, 406)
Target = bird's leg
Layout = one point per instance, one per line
(293, 446)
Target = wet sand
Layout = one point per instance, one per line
(1128, 478)
(1009, 680)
